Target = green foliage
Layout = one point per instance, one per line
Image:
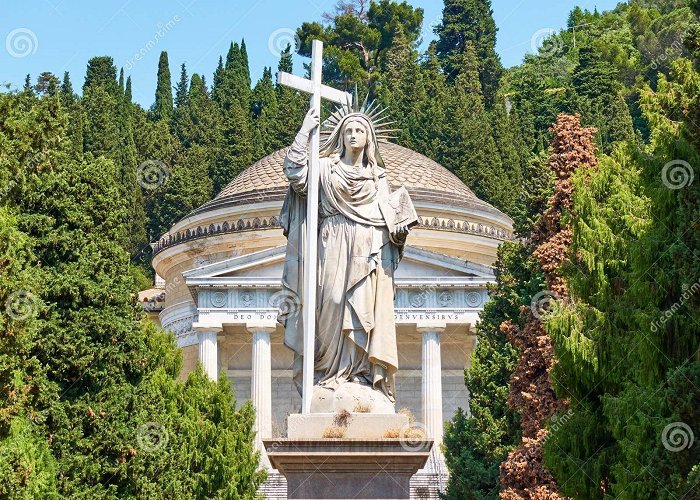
(81, 372)
(163, 106)
(357, 43)
(475, 446)
(470, 22)
(27, 468)
(233, 94)
(627, 346)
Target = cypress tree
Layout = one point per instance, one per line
(265, 111)
(628, 344)
(466, 22)
(291, 104)
(163, 106)
(508, 180)
(233, 97)
(437, 103)
(245, 67)
(218, 78)
(401, 90)
(67, 94)
(101, 99)
(181, 88)
(523, 473)
(127, 90)
(469, 148)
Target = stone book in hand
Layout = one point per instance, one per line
(398, 209)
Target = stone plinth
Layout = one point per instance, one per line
(349, 396)
(348, 468)
(358, 425)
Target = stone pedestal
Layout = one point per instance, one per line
(351, 397)
(348, 468)
(362, 425)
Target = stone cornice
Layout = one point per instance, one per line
(263, 223)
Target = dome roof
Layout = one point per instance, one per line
(425, 179)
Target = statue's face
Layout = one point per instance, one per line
(354, 135)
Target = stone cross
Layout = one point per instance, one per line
(308, 296)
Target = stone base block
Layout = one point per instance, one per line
(350, 396)
(359, 425)
(347, 468)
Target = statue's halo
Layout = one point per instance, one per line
(378, 120)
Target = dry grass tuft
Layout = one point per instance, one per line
(362, 407)
(394, 432)
(334, 432)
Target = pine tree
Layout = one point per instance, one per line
(163, 106)
(467, 22)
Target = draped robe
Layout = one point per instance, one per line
(355, 329)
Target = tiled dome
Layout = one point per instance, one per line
(425, 179)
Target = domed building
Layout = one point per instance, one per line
(222, 266)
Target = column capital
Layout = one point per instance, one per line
(262, 326)
(207, 327)
(431, 326)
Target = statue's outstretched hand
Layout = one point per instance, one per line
(400, 231)
(311, 121)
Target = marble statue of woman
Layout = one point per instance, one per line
(357, 257)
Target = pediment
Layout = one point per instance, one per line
(266, 267)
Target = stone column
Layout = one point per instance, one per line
(431, 387)
(209, 348)
(261, 383)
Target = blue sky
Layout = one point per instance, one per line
(61, 35)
